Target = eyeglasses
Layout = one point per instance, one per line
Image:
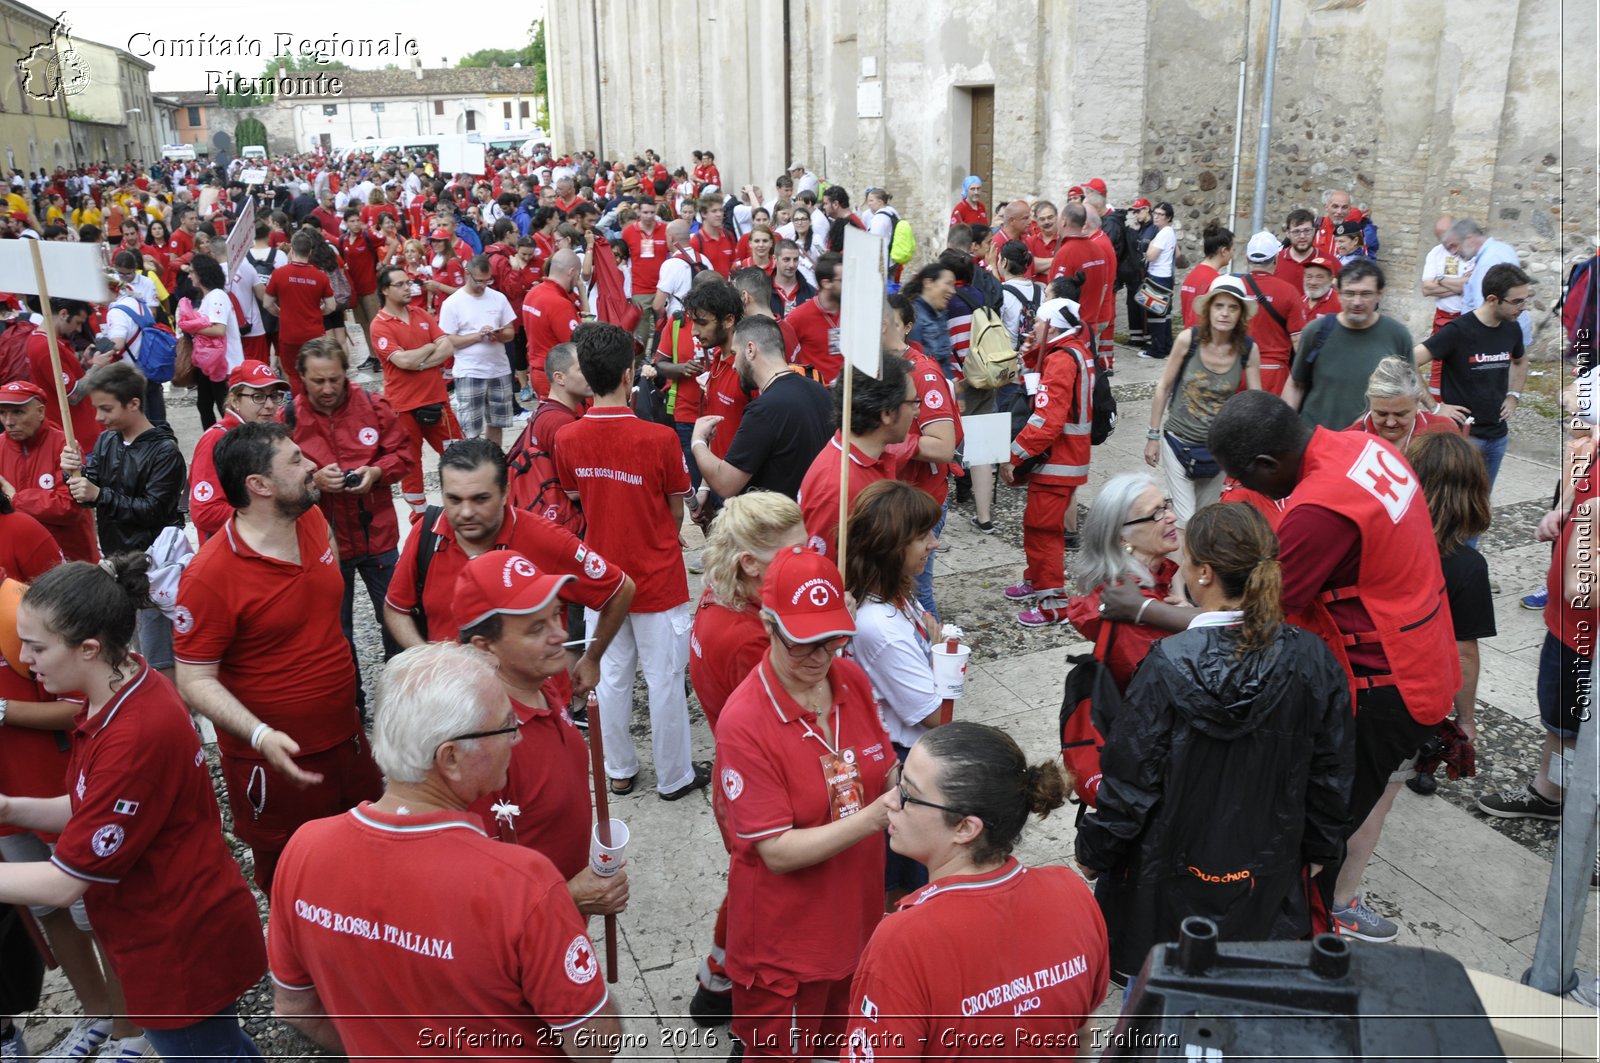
(1517, 302)
(1159, 513)
(1303, 230)
(897, 781)
(268, 398)
(511, 728)
(799, 651)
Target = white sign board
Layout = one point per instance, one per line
(988, 438)
(71, 270)
(861, 312)
(869, 99)
(243, 234)
(257, 176)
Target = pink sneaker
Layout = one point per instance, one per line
(1050, 611)
(1021, 592)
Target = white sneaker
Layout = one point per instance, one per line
(1587, 991)
(12, 1046)
(126, 1048)
(81, 1042)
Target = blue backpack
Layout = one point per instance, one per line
(158, 352)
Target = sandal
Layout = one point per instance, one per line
(624, 787)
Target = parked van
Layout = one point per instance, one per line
(252, 151)
(178, 152)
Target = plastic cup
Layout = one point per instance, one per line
(1031, 382)
(604, 860)
(950, 670)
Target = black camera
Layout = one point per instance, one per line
(352, 479)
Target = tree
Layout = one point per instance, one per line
(249, 131)
(530, 55)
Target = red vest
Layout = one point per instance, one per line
(1571, 622)
(1400, 583)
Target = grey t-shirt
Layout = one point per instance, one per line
(1335, 384)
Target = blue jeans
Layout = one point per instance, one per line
(925, 577)
(1159, 329)
(1493, 451)
(685, 436)
(219, 1038)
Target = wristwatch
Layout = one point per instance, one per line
(1514, 395)
(4, 705)
(1152, 434)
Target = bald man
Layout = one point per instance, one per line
(550, 314)
(677, 272)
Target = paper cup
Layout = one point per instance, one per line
(950, 670)
(1031, 382)
(606, 861)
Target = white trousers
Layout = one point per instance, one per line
(658, 645)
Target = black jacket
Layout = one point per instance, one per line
(1223, 778)
(141, 486)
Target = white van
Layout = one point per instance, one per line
(178, 152)
(252, 151)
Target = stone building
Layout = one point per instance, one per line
(1415, 108)
(114, 119)
(33, 132)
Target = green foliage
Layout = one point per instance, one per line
(530, 55)
(249, 131)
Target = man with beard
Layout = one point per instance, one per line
(783, 429)
(1301, 226)
(714, 309)
(260, 652)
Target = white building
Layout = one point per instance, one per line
(114, 117)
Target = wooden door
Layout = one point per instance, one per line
(981, 146)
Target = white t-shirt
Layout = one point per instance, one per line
(1442, 263)
(1167, 242)
(463, 313)
(675, 278)
(1011, 305)
(893, 651)
(123, 326)
(243, 287)
(219, 309)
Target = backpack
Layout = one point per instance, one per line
(991, 359)
(158, 349)
(1030, 309)
(526, 461)
(14, 364)
(426, 548)
(902, 241)
(1090, 699)
(1104, 419)
(269, 322)
(1580, 305)
(1130, 264)
(1325, 325)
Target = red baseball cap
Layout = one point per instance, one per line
(253, 374)
(1097, 184)
(503, 581)
(1075, 190)
(20, 393)
(1332, 265)
(441, 234)
(804, 595)
(1139, 204)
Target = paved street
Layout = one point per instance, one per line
(1451, 879)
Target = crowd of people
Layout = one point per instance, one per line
(600, 352)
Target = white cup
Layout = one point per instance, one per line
(606, 860)
(1031, 382)
(950, 670)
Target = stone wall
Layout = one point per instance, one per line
(1416, 109)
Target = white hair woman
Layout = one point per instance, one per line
(1395, 397)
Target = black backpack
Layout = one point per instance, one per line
(1105, 406)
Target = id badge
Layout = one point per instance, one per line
(846, 794)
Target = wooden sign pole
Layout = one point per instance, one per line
(602, 813)
(55, 351)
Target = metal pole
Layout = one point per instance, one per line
(1263, 146)
(1238, 149)
(1561, 926)
(599, 106)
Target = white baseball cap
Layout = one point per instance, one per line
(1263, 247)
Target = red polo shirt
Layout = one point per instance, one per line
(167, 900)
(624, 470)
(719, 250)
(84, 427)
(272, 627)
(361, 262)
(771, 760)
(819, 492)
(299, 288)
(32, 762)
(685, 395)
(547, 785)
(549, 546)
(818, 333)
(549, 318)
(941, 973)
(1291, 270)
(938, 403)
(725, 397)
(497, 918)
(27, 550)
(725, 646)
(646, 252)
(406, 389)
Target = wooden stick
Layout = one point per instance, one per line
(55, 352)
(602, 814)
(844, 463)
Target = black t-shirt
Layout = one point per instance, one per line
(780, 432)
(1466, 584)
(1476, 368)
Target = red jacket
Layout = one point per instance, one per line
(33, 469)
(1063, 415)
(1399, 584)
(1098, 262)
(364, 430)
(208, 507)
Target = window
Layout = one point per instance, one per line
(507, 106)
(524, 106)
(438, 107)
(194, 116)
(330, 109)
(472, 120)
